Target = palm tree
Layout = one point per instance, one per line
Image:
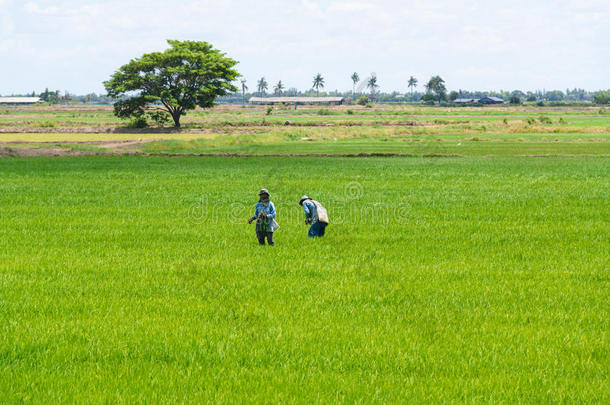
(262, 86)
(412, 84)
(318, 82)
(278, 88)
(355, 78)
(372, 84)
(243, 91)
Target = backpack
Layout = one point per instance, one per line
(322, 214)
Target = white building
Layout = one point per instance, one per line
(20, 100)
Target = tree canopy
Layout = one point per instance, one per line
(262, 86)
(187, 75)
(318, 82)
(372, 84)
(436, 88)
(412, 83)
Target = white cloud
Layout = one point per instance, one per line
(475, 44)
(34, 8)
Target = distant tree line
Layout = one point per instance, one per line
(434, 91)
(410, 96)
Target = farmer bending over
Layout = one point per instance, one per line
(315, 215)
(264, 214)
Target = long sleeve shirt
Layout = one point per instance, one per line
(268, 211)
(311, 212)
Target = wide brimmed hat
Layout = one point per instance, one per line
(264, 191)
(303, 199)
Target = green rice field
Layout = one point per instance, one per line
(469, 264)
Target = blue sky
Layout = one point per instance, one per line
(489, 45)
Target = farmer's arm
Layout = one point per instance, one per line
(256, 211)
(307, 210)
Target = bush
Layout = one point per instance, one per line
(269, 110)
(47, 124)
(531, 121)
(515, 100)
(540, 103)
(428, 99)
(324, 111)
(562, 121)
(545, 120)
(138, 122)
(364, 100)
(350, 112)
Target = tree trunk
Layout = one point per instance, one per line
(176, 117)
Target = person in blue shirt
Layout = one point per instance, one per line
(315, 215)
(264, 214)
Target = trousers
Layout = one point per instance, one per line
(317, 229)
(261, 237)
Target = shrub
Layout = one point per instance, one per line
(350, 112)
(531, 121)
(138, 122)
(515, 100)
(540, 103)
(428, 99)
(269, 110)
(505, 121)
(562, 121)
(324, 111)
(545, 120)
(364, 100)
(47, 124)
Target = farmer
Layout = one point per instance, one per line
(315, 215)
(264, 214)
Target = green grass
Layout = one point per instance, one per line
(417, 146)
(132, 279)
(75, 117)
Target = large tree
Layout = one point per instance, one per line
(318, 83)
(187, 75)
(436, 88)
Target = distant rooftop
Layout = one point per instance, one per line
(494, 99)
(19, 100)
(293, 100)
